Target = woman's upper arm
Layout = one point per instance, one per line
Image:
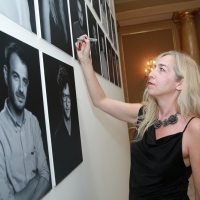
(127, 112)
(194, 154)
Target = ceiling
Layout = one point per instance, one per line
(132, 12)
(123, 1)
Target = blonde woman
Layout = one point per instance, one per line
(165, 150)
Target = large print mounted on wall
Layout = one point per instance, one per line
(63, 116)
(103, 14)
(94, 45)
(114, 63)
(54, 21)
(113, 32)
(110, 60)
(22, 12)
(95, 4)
(109, 21)
(118, 70)
(78, 20)
(24, 163)
(103, 55)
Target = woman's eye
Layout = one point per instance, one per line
(161, 69)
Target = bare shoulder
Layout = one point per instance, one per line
(192, 133)
(192, 139)
(193, 128)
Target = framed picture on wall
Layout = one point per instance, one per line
(22, 12)
(24, 160)
(103, 14)
(110, 60)
(63, 116)
(78, 20)
(114, 67)
(118, 70)
(113, 32)
(94, 45)
(54, 21)
(103, 54)
(95, 4)
(109, 23)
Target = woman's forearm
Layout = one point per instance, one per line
(96, 92)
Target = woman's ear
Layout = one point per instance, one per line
(179, 85)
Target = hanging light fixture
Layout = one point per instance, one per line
(150, 65)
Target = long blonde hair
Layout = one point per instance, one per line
(188, 101)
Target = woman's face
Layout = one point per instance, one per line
(162, 80)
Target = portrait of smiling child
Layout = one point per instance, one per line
(165, 150)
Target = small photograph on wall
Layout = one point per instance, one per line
(103, 55)
(22, 12)
(94, 45)
(109, 23)
(24, 159)
(78, 20)
(113, 32)
(63, 116)
(114, 67)
(103, 14)
(95, 4)
(54, 21)
(110, 60)
(118, 71)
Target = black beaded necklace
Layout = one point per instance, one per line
(171, 120)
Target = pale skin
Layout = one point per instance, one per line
(164, 87)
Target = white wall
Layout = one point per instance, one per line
(104, 172)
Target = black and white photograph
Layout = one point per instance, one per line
(118, 71)
(95, 54)
(21, 12)
(103, 55)
(55, 28)
(109, 23)
(103, 14)
(78, 20)
(110, 60)
(24, 160)
(114, 67)
(63, 116)
(113, 32)
(95, 4)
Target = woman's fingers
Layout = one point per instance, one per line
(83, 48)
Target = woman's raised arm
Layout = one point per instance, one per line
(123, 111)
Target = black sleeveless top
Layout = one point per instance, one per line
(158, 171)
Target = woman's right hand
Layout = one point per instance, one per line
(83, 50)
